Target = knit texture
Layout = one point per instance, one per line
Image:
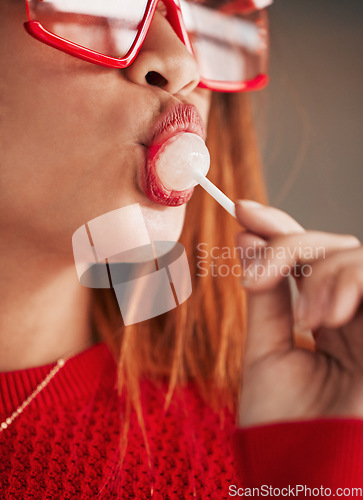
(65, 445)
(324, 453)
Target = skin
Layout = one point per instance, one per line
(72, 137)
(283, 381)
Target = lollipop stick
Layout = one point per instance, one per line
(217, 194)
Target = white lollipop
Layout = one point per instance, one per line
(184, 155)
(184, 162)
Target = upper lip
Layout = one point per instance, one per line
(181, 118)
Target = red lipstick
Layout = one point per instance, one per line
(182, 118)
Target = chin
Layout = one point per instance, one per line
(164, 223)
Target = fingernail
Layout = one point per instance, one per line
(300, 310)
(301, 327)
(250, 204)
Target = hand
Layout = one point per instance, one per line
(282, 381)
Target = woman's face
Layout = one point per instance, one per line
(74, 134)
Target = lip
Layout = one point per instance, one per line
(182, 118)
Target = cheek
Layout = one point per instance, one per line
(201, 98)
(75, 154)
(64, 134)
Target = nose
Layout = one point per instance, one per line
(164, 61)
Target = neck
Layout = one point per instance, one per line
(44, 311)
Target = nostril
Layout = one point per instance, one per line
(156, 79)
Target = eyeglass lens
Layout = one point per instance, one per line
(227, 46)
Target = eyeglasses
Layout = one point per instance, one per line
(229, 39)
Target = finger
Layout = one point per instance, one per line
(269, 323)
(265, 221)
(248, 242)
(317, 288)
(343, 344)
(292, 253)
(347, 295)
(249, 246)
(269, 317)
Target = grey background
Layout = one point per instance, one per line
(309, 118)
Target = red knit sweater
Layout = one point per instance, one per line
(65, 444)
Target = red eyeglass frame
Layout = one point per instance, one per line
(175, 18)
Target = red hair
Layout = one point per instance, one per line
(203, 338)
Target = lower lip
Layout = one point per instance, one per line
(154, 188)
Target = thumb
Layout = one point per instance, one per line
(269, 323)
(269, 312)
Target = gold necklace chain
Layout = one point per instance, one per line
(60, 363)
